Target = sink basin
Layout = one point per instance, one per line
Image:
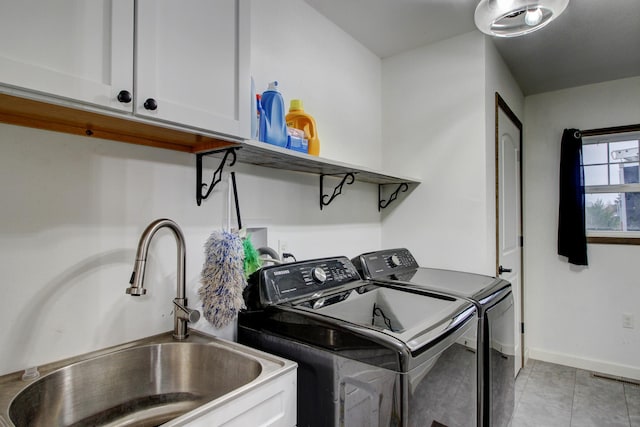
(148, 382)
(154, 383)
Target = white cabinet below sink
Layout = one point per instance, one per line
(271, 405)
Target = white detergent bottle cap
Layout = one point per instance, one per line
(273, 86)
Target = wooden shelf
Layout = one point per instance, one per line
(66, 116)
(115, 126)
(271, 156)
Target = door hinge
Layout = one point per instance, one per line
(522, 241)
(522, 328)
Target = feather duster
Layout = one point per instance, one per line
(223, 278)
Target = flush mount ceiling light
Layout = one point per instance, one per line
(511, 18)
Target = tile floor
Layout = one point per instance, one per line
(549, 395)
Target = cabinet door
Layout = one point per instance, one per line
(192, 61)
(75, 49)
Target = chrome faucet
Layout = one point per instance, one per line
(182, 314)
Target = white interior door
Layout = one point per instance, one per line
(509, 206)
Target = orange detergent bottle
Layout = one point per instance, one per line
(298, 119)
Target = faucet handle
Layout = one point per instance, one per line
(184, 312)
(193, 316)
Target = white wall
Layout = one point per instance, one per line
(337, 78)
(73, 208)
(573, 316)
(499, 79)
(433, 128)
(438, 125)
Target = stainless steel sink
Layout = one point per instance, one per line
(147, 382)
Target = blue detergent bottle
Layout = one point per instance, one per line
(273, 127)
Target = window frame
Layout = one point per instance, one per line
(612, 237)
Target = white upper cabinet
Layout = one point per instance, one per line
(189, 58)
(192, 63)
(74, 49)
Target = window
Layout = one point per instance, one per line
(610, 160)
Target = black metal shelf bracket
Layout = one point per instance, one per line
(349, 178)
(384, 203)
(201, 194)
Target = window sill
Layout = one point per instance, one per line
(613, 240)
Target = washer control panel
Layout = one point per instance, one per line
(374, 265)
(284, 282)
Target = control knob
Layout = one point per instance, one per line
(318, 274)
(394, 261)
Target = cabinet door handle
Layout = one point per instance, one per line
(124, 96)
(150, 104)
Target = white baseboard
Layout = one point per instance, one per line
(613, 369)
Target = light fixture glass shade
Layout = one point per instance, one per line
(511, 18)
